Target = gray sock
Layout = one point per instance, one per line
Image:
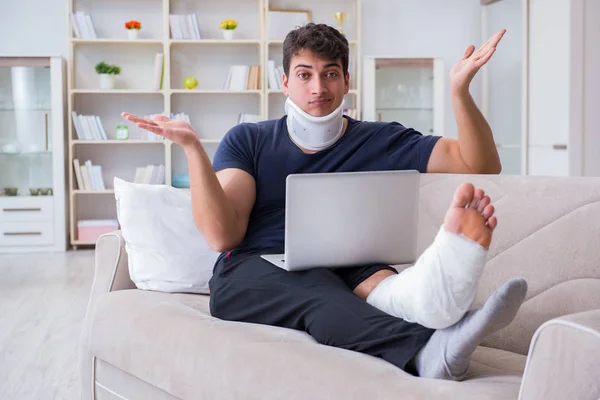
(448, 352)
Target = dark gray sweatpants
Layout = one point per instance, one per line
(319, 301)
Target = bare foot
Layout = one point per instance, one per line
(472, 215)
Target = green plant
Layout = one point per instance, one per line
(104, 68)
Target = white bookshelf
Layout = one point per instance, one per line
(212, 109)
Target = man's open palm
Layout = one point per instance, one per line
(177, 131)
(462, 72)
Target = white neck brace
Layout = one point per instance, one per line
(314, 133)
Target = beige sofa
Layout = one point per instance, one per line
(147, 345)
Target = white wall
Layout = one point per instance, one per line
(424, 28)
(438, 28)
(33, 27)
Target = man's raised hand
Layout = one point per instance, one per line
(462, 72)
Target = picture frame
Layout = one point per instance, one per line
(280, 21)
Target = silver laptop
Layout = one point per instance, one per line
(349, 219)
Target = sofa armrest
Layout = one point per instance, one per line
(111, 273)
(111, 269)
(564, 359)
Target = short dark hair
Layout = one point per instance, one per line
(323, 40)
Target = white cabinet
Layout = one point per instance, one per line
(405, 90)
(32, 175)
(534, 97)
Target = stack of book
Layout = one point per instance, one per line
(150, 174)
(89, 230)
(88, 127)
(184, 27)
(275, 74)
(83, 26)
(243, 77)
(88, 176)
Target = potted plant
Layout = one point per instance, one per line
(133, 28)
(228, 27)
(107, 74)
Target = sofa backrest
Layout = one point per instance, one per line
(548, 233)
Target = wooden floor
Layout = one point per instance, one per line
(43, 298)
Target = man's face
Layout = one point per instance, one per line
(317, 86)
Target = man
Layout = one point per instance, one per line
(418, 320)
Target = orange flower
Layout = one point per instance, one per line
(133, 25)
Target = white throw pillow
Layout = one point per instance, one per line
(166, 251)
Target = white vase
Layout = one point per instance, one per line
(228, 34)
(132, 34)
(107, 81)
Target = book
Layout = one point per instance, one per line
(90, 25)
(83, 26)
(87, 184)
(88, 127)
(76, 29)
(274, 75)
(238, 77)
(150, 175)
(196, 27)
(78, 177)
(184, 27)
(99, 181)
(101, 128)
(175, 33)
(78, 128)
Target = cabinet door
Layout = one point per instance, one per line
(26, 118)
(404, 90)
(504, 73)
(548, 161)
(549, 72)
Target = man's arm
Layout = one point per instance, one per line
(475, 150)
(221, 202)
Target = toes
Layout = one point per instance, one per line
(492, 223)
(483, 203)
(488, 211)
(463, 195)
(477, 196)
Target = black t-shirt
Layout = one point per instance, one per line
(266, 152)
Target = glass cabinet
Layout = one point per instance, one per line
(405, 90)
(26, 135)
(32, 186)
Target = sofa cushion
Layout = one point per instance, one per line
(172, 342)
(166, 251)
